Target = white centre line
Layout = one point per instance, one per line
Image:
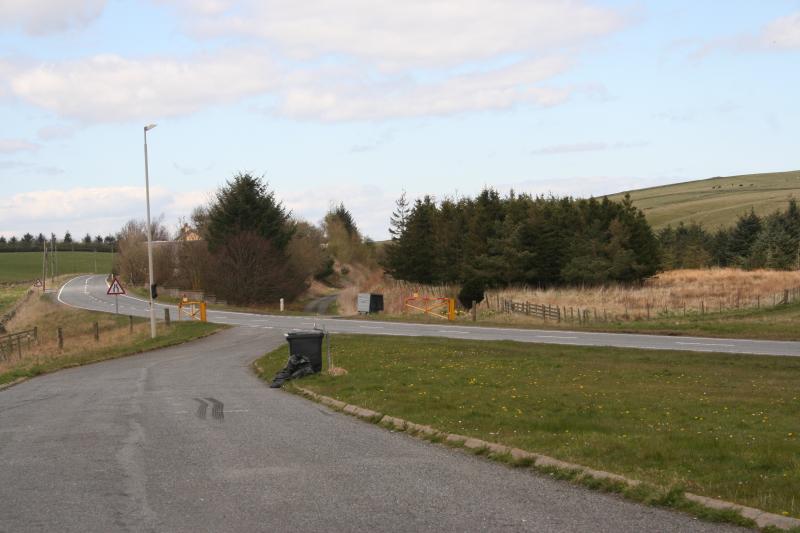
(705, 344)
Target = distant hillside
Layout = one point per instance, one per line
(715, 202)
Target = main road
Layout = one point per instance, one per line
(187, 439)
(89, 292)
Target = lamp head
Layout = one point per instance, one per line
(150, 127)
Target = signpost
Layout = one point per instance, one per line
(115, 289)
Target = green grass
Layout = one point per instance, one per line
(715, 202)
(771, 323)
(27, 266)
(178, 333)
(719, 425)
(9, 294)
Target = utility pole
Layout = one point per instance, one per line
(44, 267)
(149, 235)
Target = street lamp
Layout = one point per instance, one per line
(149, 234)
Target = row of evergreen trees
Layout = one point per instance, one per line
(28, 242)
(520, 239)
(754, 242)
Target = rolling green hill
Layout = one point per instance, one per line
(715, 202)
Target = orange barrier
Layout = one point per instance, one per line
(192, 310)
(444, 308)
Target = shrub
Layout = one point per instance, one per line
(472, 291)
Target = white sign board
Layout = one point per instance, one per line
(363, 302)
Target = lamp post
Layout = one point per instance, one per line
(149, 234)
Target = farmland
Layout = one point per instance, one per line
(27, 266)
(715, 202)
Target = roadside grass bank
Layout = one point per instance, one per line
(10, 294)
(27, 266)
(718, 425)
(79, 344)
(775, 323)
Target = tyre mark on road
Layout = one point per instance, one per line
(202, 408)
(217, 411)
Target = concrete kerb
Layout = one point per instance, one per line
(761, 518)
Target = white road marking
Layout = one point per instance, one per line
(705, 344)
(552, 337)
(371, 327)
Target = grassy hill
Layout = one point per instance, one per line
(715, 202)
(27, 266)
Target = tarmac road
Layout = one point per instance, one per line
(187, 439)
(89, 292)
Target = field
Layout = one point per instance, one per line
(719, 425)
(715, 202)
(27, 266)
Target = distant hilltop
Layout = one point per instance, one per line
(715, 202)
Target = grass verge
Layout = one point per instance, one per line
(10, 294)
(718, 425)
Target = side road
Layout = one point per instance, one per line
(89, 292)
(188, 439)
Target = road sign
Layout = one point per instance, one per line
(115, 288)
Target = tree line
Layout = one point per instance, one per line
(246, 247)
(491, 240)
(29, 243)
(772, 241)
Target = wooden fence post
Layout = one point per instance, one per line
(96, 332)
(474, 311)
(130, 323)
(60, 339)
(167, 319)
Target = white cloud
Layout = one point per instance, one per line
(783, 33)
(10, 146)
(49, 133)
(38, 17)
(370, 205)
(396, 34)
(393, 59)
(108, 88)
(327, 99)
(80, 210)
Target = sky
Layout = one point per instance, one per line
(356, 101)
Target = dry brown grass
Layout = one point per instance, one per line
(77, 327)
(672, 291)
